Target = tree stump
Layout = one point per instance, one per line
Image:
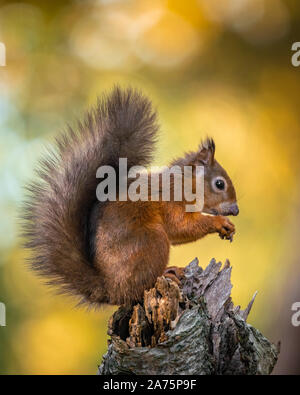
(193, 328)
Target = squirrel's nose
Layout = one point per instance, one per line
(234, 209)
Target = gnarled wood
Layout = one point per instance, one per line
(193, 328)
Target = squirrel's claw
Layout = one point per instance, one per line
(225, 228)
(224, 237)
(174, 273)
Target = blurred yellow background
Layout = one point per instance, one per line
(211, 67)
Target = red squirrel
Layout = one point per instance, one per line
(110, 252)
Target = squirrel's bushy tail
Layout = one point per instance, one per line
(123, 124)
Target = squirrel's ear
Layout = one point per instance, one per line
(206, 153)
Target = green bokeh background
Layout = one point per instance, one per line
(219, 68)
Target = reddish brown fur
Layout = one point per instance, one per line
(134, 238)
(129, 241)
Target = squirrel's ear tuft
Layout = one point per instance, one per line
(206, 153)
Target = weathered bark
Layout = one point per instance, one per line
(190, 329)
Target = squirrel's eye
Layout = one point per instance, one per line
(219, 184)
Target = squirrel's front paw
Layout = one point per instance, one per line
(225, 228)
